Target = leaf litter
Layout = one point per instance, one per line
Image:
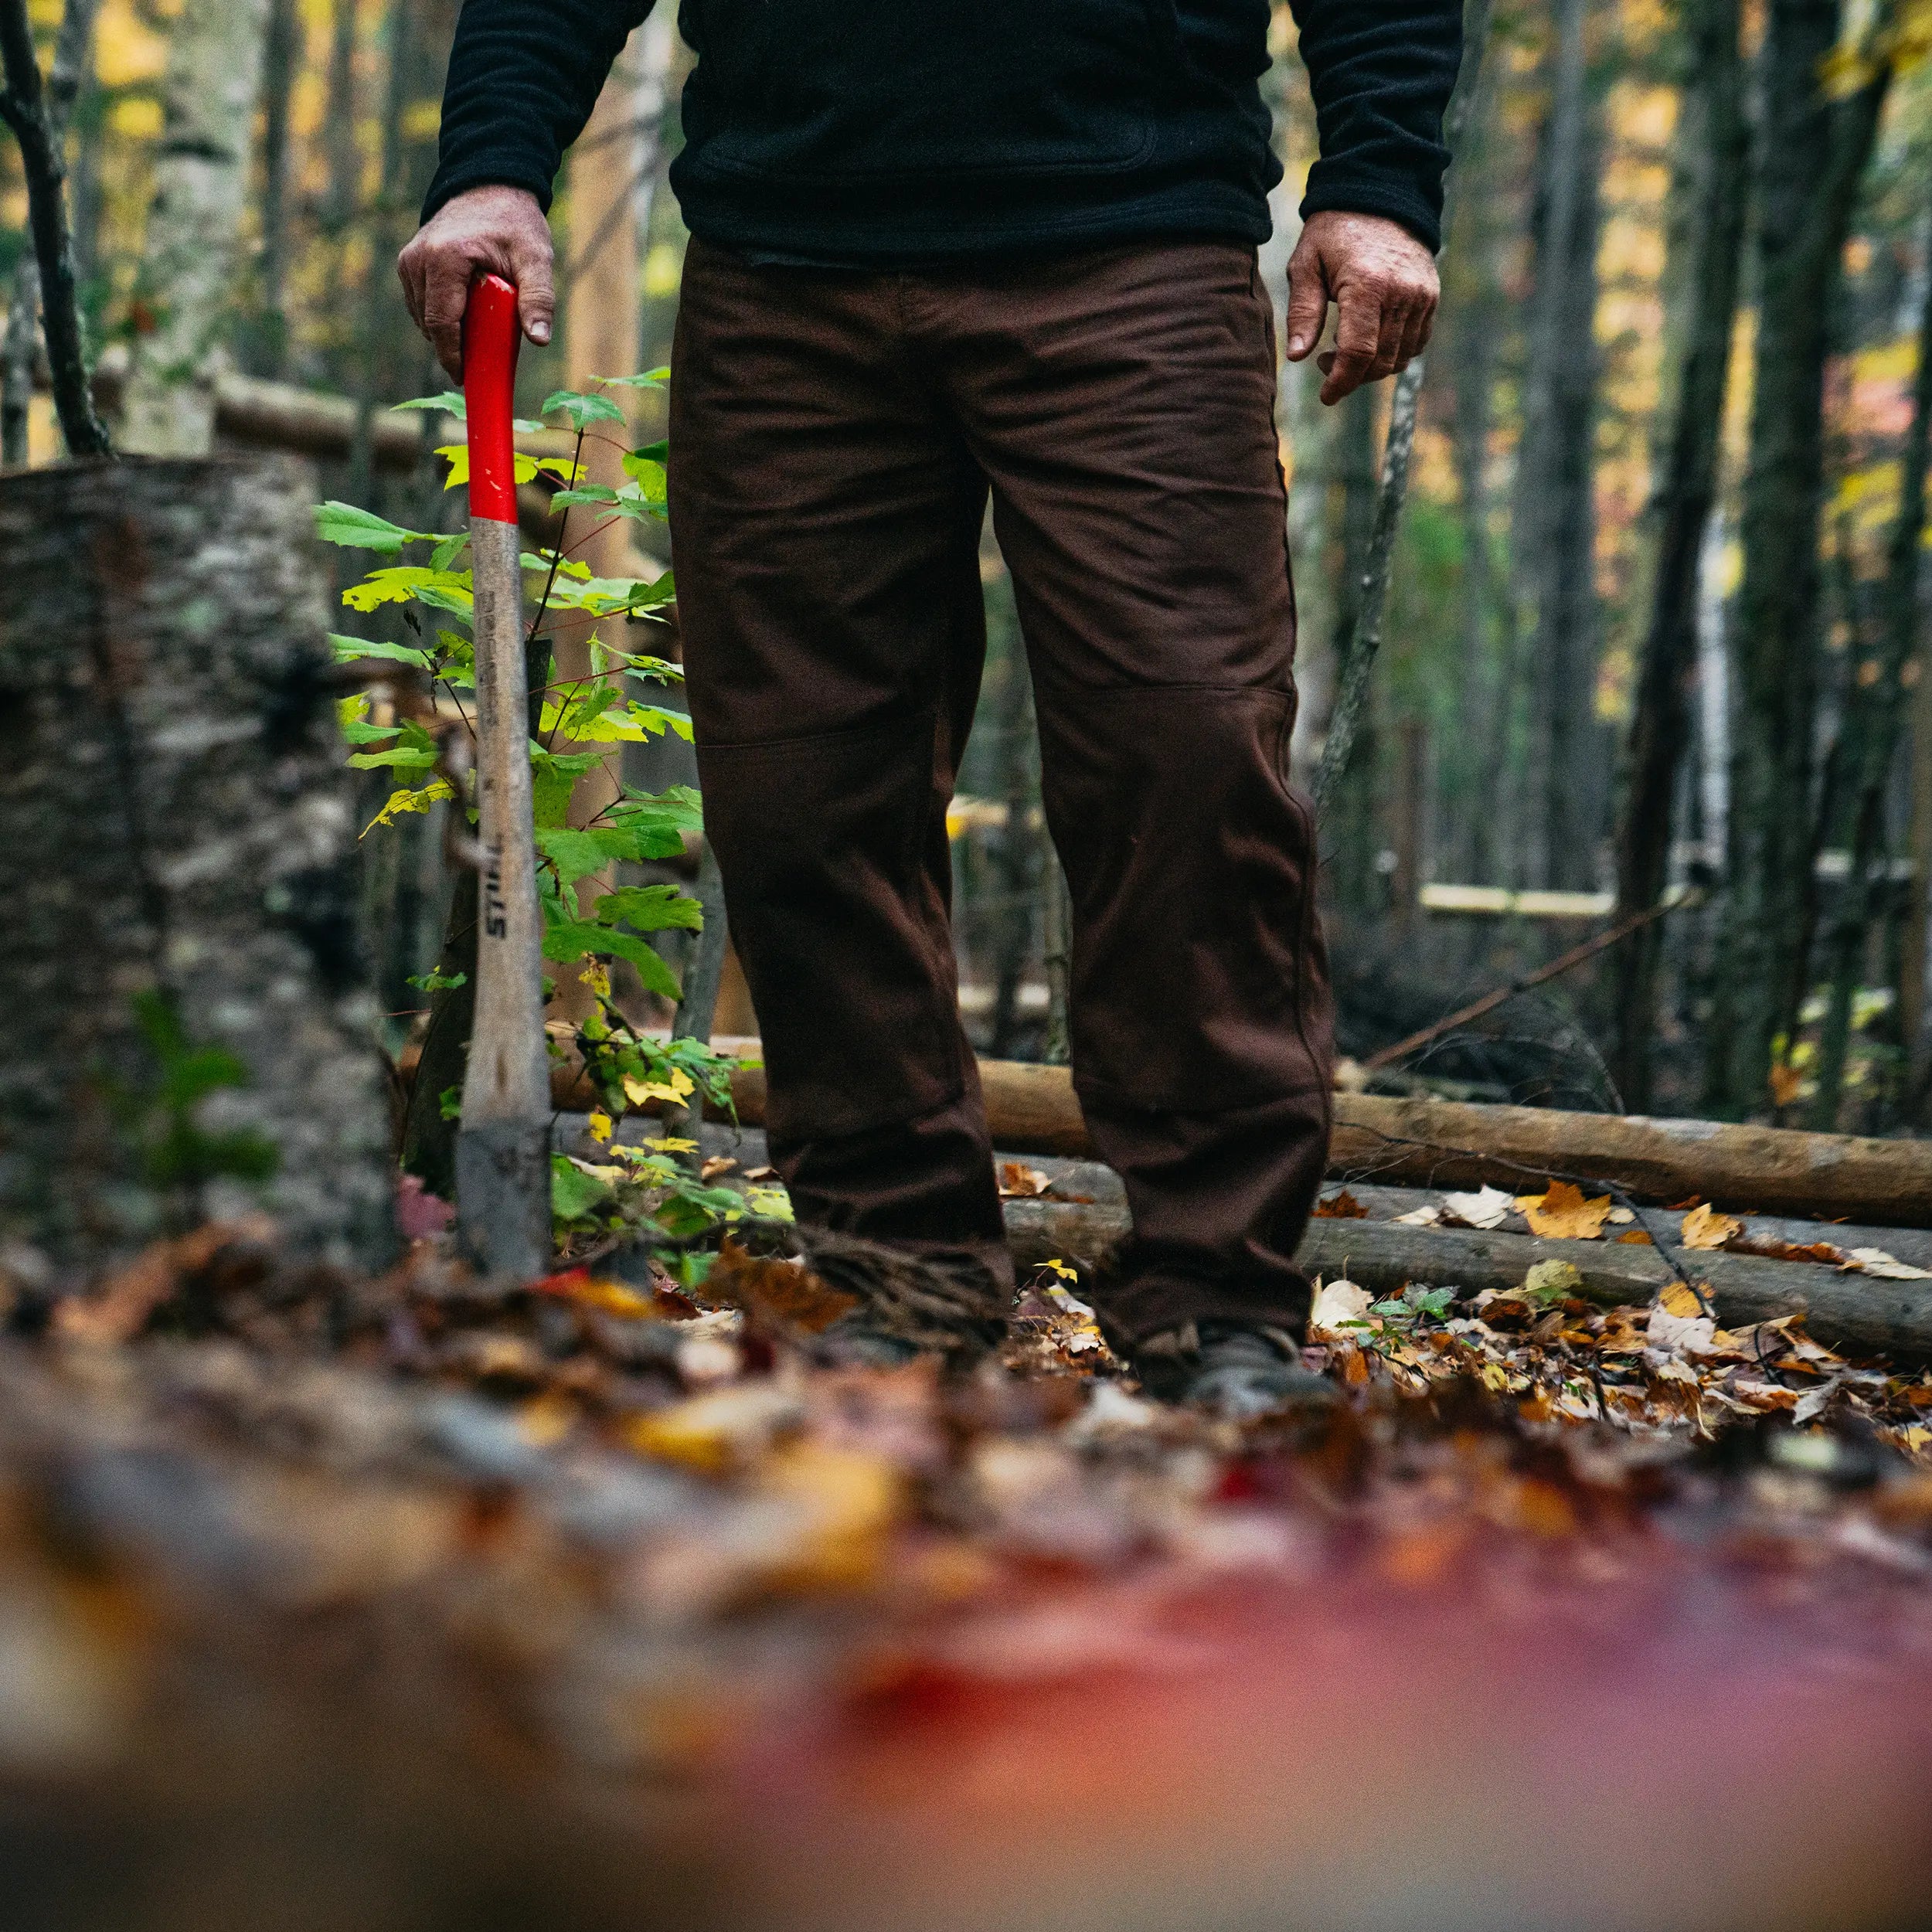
(671, 1512)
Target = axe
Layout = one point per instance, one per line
(503, 1141)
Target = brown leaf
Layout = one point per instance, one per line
(1704, 1227)
(1785, 1082)
(716, 1164)
(120, 1308)
(1341, 1207)
(775, 1289)
(1636, 1238)
(1563, 1215)
(1819, 1251)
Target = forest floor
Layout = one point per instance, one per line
(413, 1602)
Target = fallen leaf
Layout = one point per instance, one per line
(1785, 1082)
(1704, 1227)
(1775, 1250)
(1552, 1282)
(1427, 1215)
(1885, 1267)
(716, 1164)
(1636, 1238)
(1679, 1298)
(1337, 1303)
(1020, 1182)
(1341, 1207)
(598, 1125)
(1488, 1207)
(119, 1309)
(724, 1429)
(768, 1286)
(1563, 1215)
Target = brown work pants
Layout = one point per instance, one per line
(834, 439)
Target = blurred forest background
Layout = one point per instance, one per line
(1654, 631)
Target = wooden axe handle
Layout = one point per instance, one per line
(503, 1181)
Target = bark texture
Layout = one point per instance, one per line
(176, 836)
(1812, 156)
(189, 271)
(1660, 725)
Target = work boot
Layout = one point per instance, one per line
(945, 1302)
(1230, 1368)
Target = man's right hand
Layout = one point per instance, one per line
(484, 230)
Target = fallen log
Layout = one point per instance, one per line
(1447, 1143)
(1858, 1313)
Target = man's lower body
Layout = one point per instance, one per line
(834, 437)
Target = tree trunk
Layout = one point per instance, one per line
(37, 115)
(189, 278)
(281, 60)
(185, 1030)
(1812, 156)
(1017, 861)
(345, 158)
(1552, 526)
(16, 362)
(1660, 725)
(1874, 721)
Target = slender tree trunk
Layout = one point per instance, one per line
(1660, 724)
(1812, 158)
(1918, 909)
(16, 363)
(281, 59)
(1017, 869)
(37, 113)
(1547, 523)
(189, 270)
(1353, 678)
(386, 233)
(1876, 718)
(1056, 937)
(1471, 352)
(345, 158)
(1567, 640)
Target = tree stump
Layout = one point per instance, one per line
(186, 1030)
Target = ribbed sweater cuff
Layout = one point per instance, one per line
(1359, 192)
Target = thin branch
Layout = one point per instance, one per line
(1365, 639)
(37, 115)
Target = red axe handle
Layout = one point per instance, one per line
(502, 1149)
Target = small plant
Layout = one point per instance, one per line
(177, 1153)
(629, 1068)
(1414, 1306)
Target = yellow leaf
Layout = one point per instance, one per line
(1785, 1082)
(1563, 1215)
(675, 1089)
(1680, 1299)
(600, 1126)
(597, 978)
(406, 800)
(1704, 1227)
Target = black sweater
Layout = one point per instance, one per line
(877, 131)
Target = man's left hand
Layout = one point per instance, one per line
(1383, 283)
